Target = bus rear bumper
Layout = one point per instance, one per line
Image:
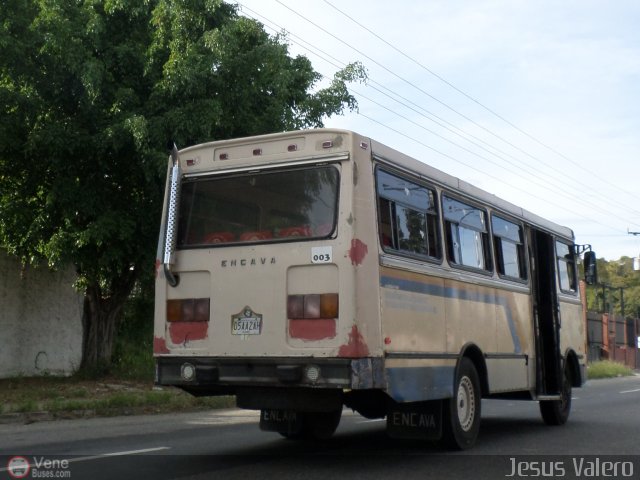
(222, 375)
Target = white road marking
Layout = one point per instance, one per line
(117, 454)
(631, 391)
(94, 457)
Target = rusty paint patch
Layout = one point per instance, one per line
(160, 346)
(358, 251)
(182, 332)
(316, 329)
(356, 347)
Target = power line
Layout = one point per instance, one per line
(336, 63)
(339, 64)
(559, 191)
(472, 167)
(494, 113)
(565, 176)
(473, 153)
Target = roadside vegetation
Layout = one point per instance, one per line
(74, 397)
(126, 388)
(607, 369)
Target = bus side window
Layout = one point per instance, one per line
(407, 216)
(467, 234)
(566, 267)
(509, 248)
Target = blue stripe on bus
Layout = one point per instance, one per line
(459, 294)
(416, 384)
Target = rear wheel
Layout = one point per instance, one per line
(556, 412)
(461, 416)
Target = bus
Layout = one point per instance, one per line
(309, 271)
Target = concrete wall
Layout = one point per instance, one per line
(40, 320)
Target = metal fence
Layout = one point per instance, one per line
(612, 337)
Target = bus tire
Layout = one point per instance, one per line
(461, 415)
(556, 412)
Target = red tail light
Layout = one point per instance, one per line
(188, 310)
(312, 317)
(312, 306)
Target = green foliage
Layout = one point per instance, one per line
(91, 91)
(612, 276)
(133, 349)
(79, 177)
(71, 397)
(607, 369)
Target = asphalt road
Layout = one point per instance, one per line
(227, 444)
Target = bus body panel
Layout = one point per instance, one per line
(573, 328)
(428, 316)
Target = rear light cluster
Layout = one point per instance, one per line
(312, 306)
(312, 317)
(188, 310)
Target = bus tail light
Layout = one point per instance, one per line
(312, 317)
(188, 310)
(312, 306)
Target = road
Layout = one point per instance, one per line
(227, 444)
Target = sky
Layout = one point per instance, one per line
(537, 102)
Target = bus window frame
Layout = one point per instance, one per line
(525, 263)
(489, 270)
(574, 262)
(336, 164)
(407, 177)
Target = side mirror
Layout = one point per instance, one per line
(590, 268)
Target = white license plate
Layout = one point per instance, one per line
(246, 326)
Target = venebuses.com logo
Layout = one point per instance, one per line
(39, 467)
(18, 467)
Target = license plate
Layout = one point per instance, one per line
(246, 326)
(283, 421)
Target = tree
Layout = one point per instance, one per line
(613, 276)
(90, 93)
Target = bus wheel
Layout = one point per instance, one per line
(461, 416)
(556, 412)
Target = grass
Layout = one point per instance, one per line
(78, 397)
(607, 369)
(127, 389)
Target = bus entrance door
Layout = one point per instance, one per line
(546, 315)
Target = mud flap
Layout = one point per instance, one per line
(286, 422)
(417, 420)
